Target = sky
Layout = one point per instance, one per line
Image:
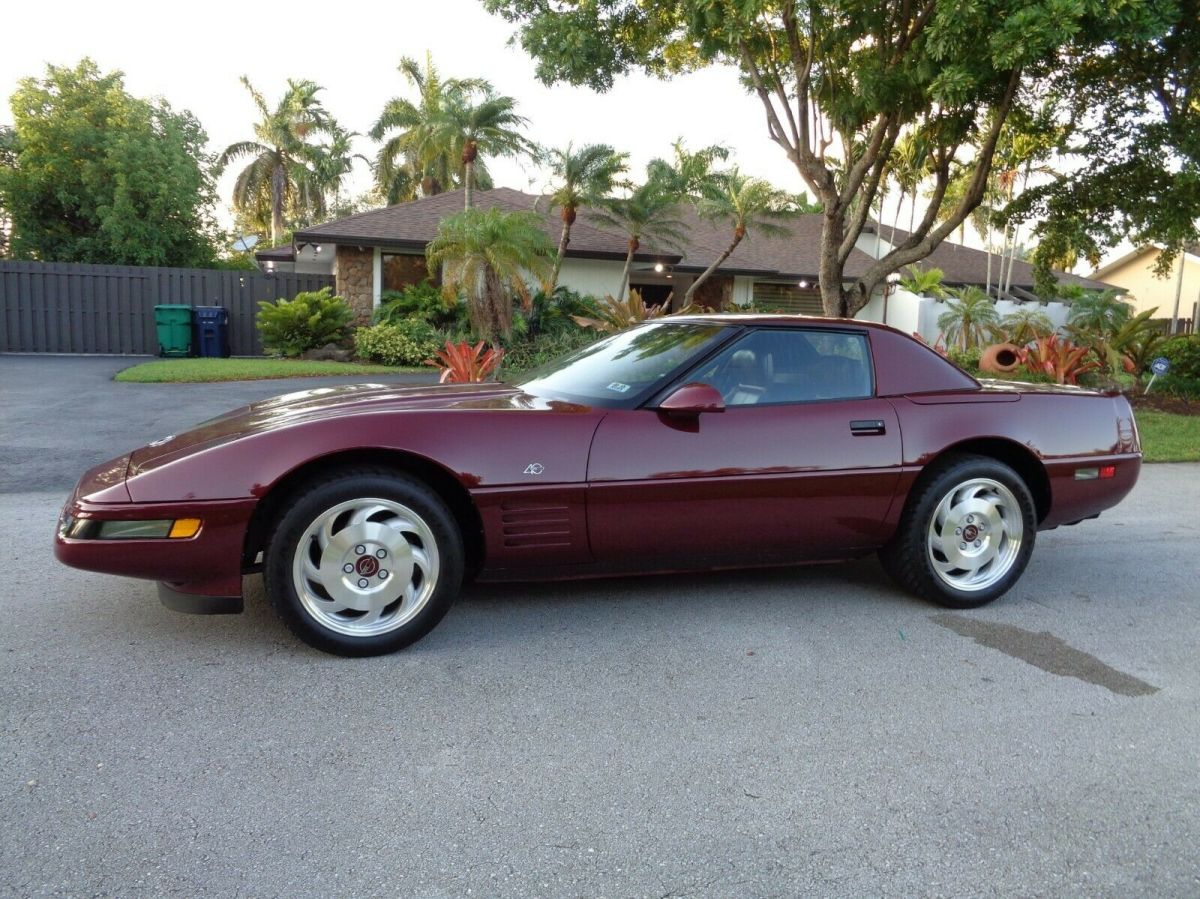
(194, 55)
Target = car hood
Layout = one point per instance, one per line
(325, 403)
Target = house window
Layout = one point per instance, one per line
(787, 296)
(399, 270)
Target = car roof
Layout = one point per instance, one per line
(758, 318)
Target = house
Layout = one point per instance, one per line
(384, 249)
(1175, 295)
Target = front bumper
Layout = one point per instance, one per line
(207, 564)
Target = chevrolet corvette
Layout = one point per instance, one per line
(686, 443)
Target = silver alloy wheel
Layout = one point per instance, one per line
(366, 567)
(975, 535)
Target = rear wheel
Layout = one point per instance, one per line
(966, 533)
(364, 562)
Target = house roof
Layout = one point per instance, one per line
(413, 224)
(277, 254)
(1190, 250)
(965, 265)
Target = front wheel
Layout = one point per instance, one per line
(966, 533)
(364, 562)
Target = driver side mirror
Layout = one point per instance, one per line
(692, 399)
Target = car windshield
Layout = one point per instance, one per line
(625, 367)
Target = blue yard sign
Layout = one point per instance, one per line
(1159, 366)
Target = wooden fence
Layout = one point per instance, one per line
(66, 307)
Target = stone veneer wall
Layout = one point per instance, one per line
(715, 293)
(354, 269)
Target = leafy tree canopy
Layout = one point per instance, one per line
(1133, 161)
(841, 81)
(93, 174)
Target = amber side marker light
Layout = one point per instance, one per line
(184, 527)
(157, 529)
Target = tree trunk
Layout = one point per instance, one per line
(834, 299)
(469, 153)
(568, 219)
(278, 185)
(633, 248)
(704, 275)
(987, 284)
(1012, 258)
(499, 304)
(895, 224)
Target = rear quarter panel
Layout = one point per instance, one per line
(1064, 431)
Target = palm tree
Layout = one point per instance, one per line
(649, 212)
(746, 203)
(487, 254)
(970, 317)
(1025, 324)
(690, 174)
(489, 126)
(284, 162)
(907, 167)
(1099, 313)
(331, 165)
(585, 177)
(409, 161)
(924, 282)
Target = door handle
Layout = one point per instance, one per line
(867, 427)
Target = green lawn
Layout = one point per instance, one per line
(1167, 437)
(192, 371)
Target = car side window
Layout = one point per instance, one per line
(777, 365)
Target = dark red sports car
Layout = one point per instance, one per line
(686, 443)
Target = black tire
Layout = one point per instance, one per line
(313, 503)
(908, 557)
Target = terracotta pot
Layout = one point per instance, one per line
(1000, 357)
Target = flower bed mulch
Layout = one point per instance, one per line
(1163, 402)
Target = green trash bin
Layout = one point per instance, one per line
(174, 326)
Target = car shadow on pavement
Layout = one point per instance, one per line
(520, 614)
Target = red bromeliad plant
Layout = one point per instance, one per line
(1059, 358)
(462, 363)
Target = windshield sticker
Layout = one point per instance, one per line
(618, 387)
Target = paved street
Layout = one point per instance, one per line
(777, 733)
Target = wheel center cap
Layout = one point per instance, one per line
(366, 566)
(970, 532)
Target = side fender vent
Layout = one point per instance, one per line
(535, 525)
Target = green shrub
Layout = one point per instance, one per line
(1183, 352)
(423, 301)
(1021, 374)
(312, 319)
(968, 360)
(551, 312)
(1174, 385)
(523, 355)
(405, 342)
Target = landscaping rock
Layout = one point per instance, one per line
(331, 352)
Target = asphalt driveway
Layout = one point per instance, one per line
(778, 733)
(59, 415)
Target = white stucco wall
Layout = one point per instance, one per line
(906, 312)
(911, 313)
(597, 277)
